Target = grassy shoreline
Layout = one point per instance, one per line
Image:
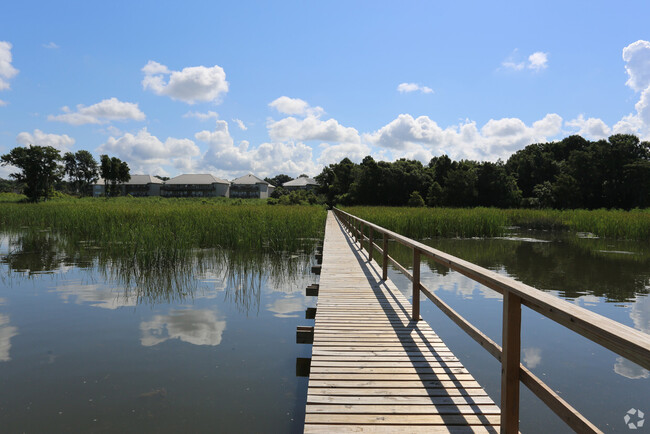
(159, 231)
(490, 222)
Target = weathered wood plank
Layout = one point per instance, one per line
(388, 399)
(401, 419)
(429, 429)
(372, 366)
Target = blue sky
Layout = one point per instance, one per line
(289, 87)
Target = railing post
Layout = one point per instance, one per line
(416, 285)
(384, 261)
(370, 246)
(361, 236)
(510, 359)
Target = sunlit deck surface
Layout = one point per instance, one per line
(375, 370)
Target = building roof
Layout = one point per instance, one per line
(249, 180)
(300, 182)
(135, 180)
(196, 178)
(143, 179)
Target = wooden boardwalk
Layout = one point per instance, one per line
(375, 370)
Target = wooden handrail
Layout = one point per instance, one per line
(623, 340)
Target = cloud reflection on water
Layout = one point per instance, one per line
(98, 295)
(640, 314)
(197, 327)
(6, 333)
(285, 307)
(532, 357)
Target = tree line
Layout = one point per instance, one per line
(571, 173)
(42, 168)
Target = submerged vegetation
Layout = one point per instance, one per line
(490, 222)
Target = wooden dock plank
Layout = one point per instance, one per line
(375, 370)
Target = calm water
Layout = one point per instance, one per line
(609, 277)
(86, 346)
(87, 343)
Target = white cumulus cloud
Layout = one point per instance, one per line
(420, 137)
(229, 160)
(311, 128)
(591, 128)
(295, 106)
(413, 87)
(637, 65)
(335, 153)
(637, 58)
(51, 46)
(192, 84)
(61, 142)
(7, 71)
(202, 116)
(103, 112)
(536, 61)
(147, 154)
(240, 124)
(405, 131)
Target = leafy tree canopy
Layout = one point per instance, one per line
(39, 169)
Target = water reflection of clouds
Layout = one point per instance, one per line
(459, 284)
(198, 327)
(532, 357)
(587, 300)
(217, 281)
(6, 333)
(97, 295)
(640, 315)
(287, 307)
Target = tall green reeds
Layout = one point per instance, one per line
(489, 222)
(162, 232)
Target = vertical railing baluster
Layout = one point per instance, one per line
(510, 359)
(361, 237)
(384, 259)
(416, 285)
(370, 241)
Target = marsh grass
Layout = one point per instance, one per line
(157, 232)
(489, 222)
(240, 274)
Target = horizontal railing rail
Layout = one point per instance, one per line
(630, 343)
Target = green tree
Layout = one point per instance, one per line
(39, 169)
(415, 200)
(335, 180)
(81, 168)
(114, 171)
(278, 180)
(496, 187)
(435, 195)
(461, 185)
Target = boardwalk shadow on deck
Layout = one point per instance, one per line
(411, 348)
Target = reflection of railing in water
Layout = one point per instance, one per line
(626, 341)
(240, 273)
